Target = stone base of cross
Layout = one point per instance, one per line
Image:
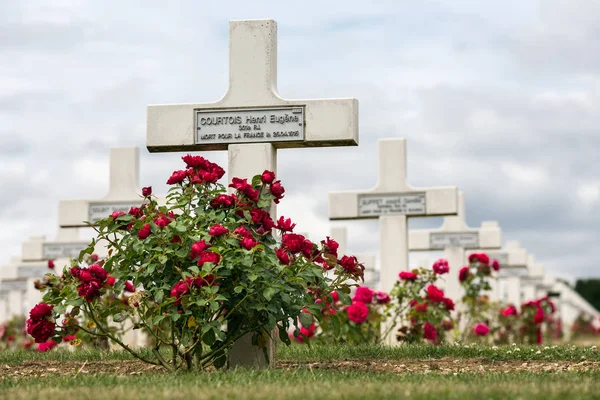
(251, 121)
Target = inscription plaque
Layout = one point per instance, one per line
(98, 211)
(465, 240)
(370, 205)
(10, 285)
(254, 125)
(52, 251)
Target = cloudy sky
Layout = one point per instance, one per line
(500, 98)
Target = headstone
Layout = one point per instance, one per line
(454, 237)
(531, 282)
(124, 192)
(67, 245)
(393, 201)
(371, 277)
(251, 121)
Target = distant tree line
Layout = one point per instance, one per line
(589, 289)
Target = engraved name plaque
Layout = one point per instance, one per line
(370, 205)
(52, 251)
(465, 240)
(255, 125)
(13, 284)
(98, 211)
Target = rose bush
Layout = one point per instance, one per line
(205, 270)
(419, 309)
(356, 323)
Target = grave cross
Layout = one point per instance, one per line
(67, 245)
(454, 236)
(124, 192)
(392, 201)
(251, 121)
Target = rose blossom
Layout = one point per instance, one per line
(46, 346)
(407, 276)
(434, 294)
(292, 242)
(147, 191)
(248, 243)
(129, 287)
(277, 190)
(267, 177)
(144, 232)
(429, 332)
(331, 245)
(382, 297)
(464, 274)
(51, 264)
(41, 311)
(441, 266)
(198, 248)
(285, 225)
(363, 294)
(218, 230)
(177, 177)
(481, 329)
(357, 312)
(510, 310)
(496, 265)
(283, 256)
(539, 315)
(210, 257)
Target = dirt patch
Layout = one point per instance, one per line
(441, 366)
(445, 366)
(54, 368)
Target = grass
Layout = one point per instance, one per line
(309, 382)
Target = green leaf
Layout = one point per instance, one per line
(269, 292)
(220, 361)
(120, 317)
(256, 181)
(238, 289)
(252, 277)
(209, 337)
(283, 335)
(175, 316)
(306, 319)
(157, 319)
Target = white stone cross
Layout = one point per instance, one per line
(251, 121)
(454, 236)
(340, 235)
(124, 192)
(393, 201)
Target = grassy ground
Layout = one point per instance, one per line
(419, 372)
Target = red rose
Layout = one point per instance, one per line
(448, 303)
(382, 297)
(429, 332)
(283, 256)
(41, 311)
(307, 248)
(464, 274)
(420, 307)
(147, 191)
(357, 312)
(285, 225)
(51, 264)
(210, 257)
(242, 231)
(481, 329)
(41, 330)
(69, 338)
(434, 294)
(194, 161)
(441, 266)
(94, 257)
(135, 212)
(496, 265)
(363, 294)
(117, 214)
(218, 230)
(248, 243)
(177, 177)
(129, 287)
(267, 177)
(349, 263)
(473, 258)
(110, 281)
(46, 346)
(331, 245)
(277, 190)
(292, 242)
(510, 310)
(222, 200)
(407, 276)
(28, 344)
(98, 272)
(144, 232)
(335, 296)
(198, 248)
(539, 315)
